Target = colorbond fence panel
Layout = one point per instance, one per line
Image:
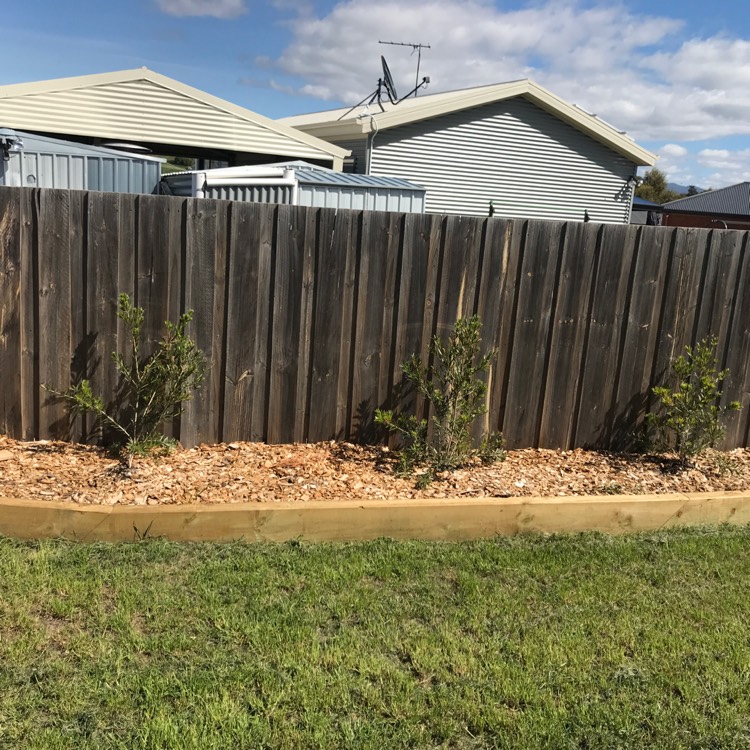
(306, 314)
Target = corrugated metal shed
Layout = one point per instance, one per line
(141, 106)
(357, 191)
(31, 160)
(302, 184)
(733, 200)
(526, 161)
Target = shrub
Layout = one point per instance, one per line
(153, 388)
(689, 420)
(456, 396)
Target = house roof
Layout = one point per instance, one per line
(643, 203)
(733, 200)
(142, 106)
(341, 124)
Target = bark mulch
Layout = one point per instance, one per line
(255, 472)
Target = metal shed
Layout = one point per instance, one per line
(30, 160)
(299, 184)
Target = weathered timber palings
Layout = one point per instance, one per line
(306, 314)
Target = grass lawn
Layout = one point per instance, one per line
(559, 642)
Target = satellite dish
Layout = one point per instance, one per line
(390, 86)
(386, 82)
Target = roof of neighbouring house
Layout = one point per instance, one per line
(141, 106)
(342, 124)
(733, 200)
(644, 204)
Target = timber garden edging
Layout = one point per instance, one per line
(353, 520)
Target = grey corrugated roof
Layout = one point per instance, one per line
(734, 200)
(643, 203)
(36, 142)
(311, 174)
(326, 177)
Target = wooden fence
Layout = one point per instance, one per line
(306, 314)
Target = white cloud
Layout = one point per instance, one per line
(673, 149)
(718, 63)
(729, 166)
(601, 57)
(713, 156)
(676, 162)
(215, 8)
(472, 43)
(639, 72)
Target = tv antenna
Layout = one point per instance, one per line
(386, 84)
(415, 47)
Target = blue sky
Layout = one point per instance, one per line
(675, 76)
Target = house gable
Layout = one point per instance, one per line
(525, 160)
(146, 107)
(342, 124)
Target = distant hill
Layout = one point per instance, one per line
(681, 189)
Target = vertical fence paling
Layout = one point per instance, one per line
(305, 314)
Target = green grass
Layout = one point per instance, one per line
(559, 642)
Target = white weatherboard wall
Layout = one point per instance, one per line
(530, 163)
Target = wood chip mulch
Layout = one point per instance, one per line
(255, 472)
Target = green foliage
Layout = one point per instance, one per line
(611, 488)
(492, 448)
(654, 188)
(153, 387)
(183, 161)
(457, 397)
(725, 463)
(690, 416)
(177, 164)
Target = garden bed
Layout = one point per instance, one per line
(259, 473)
